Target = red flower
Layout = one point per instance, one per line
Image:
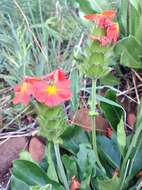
(51, 89)
(74, 183)
(22, 93)
(54, 91)
(104, 21)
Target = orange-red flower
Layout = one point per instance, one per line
(51, 89)
(22, 93)
(53, 93)
(55, 90)
(74, 183)
(104, 21)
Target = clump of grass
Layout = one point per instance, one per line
(35, 38)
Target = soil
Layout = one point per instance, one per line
(9, 151)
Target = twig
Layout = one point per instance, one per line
(5, 90)
(8, 184)
(136, 91)
(129, 90)
(137, 75)
(26, 134)
(1, 143)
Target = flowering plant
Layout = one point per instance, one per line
(88, 160)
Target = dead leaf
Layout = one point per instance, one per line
(82, 119)
(36, 149)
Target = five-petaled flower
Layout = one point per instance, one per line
(51, 89)
(53, 92)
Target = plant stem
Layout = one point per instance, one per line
(60, 166)
(93, 119)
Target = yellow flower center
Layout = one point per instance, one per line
(51, 89)
(24, 87)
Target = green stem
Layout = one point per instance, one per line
(60, 166)
(93, 119)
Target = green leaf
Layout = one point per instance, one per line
(86, 6)
(108, 150)
(92, 6)
(121, 137)
(123, 14)
(47, 187)
(86, 160)
(136, 162)
(51, 171)
(70, 166)
(112, 113)
(32, 174)
(129, 50)
(135, 3)
(109, 79)
(108, 101)
(74, 86)
(18, 184)
(134, 18)
(109, 184)
(85, 184)
(138, 33)
(73, 137)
